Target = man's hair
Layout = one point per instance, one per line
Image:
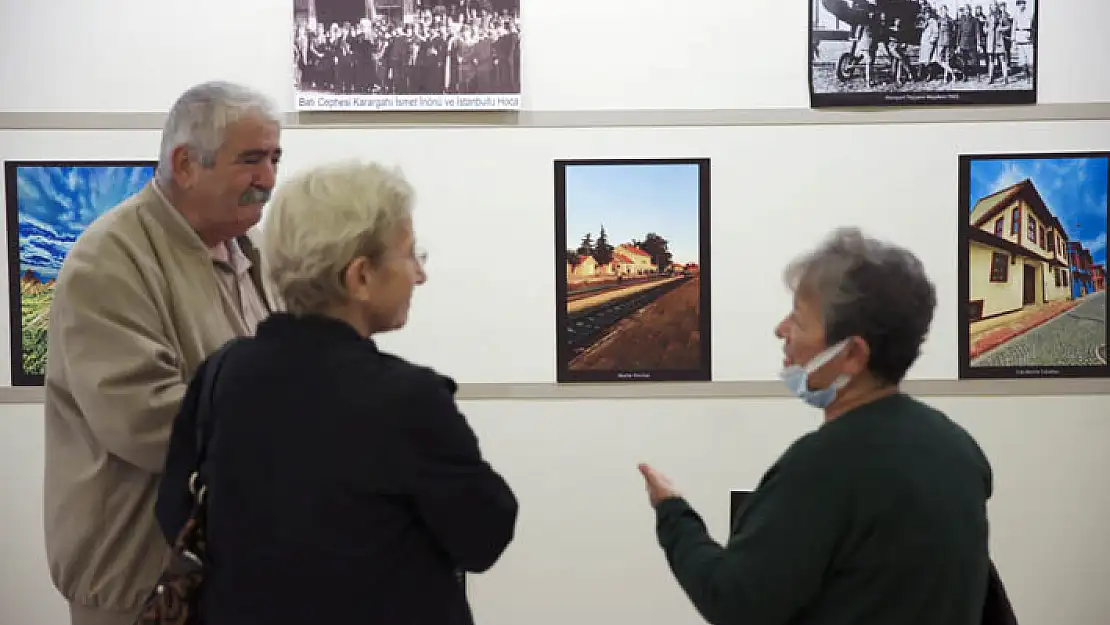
(200, 117)
(321, 219)
(870, 289)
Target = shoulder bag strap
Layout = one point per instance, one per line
(204, 423)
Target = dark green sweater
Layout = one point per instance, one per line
(876, 518)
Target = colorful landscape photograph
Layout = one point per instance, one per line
(49, 204)
(1033, 266)
(632, 270)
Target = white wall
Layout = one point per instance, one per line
(585, 551)
(776, 190)
(576, 55)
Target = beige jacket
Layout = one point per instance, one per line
(137, 306)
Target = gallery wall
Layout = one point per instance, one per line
(773, 195)
(618, 79)
(578, 55)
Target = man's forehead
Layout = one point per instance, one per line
(253, 124)
(253, 134)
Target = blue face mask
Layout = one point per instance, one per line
(796, 378)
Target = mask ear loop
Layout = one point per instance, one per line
(824, 357)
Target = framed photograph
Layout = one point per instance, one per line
(50, 203)
(1033, 265)
(632, 269)
(400, 55)
(922, 53)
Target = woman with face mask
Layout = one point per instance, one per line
(879, 515)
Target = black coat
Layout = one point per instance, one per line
(344, 485)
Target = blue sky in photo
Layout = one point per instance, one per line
(57, 203)
(631, 200)
(1073, 188)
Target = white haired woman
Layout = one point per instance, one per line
(344, 485)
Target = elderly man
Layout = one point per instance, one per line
(879, 515)
(146, 293)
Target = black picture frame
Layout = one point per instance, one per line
(737, 499)
(316, 90)
(848, 65)
(22, 374)
(1058, 305)
(601, 323)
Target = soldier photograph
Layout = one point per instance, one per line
(921, 52)
(412, 54)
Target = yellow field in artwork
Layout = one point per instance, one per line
(36, 298)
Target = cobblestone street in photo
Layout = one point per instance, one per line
(1075, 338)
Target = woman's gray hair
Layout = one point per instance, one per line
(870, 289)
(200, 117)
(321, 219)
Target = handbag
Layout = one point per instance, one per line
(174, 599)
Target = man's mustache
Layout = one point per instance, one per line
(255, 195)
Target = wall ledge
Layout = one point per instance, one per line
(713, 390)
(147, 120)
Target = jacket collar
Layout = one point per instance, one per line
(172, 221)
(178, 229)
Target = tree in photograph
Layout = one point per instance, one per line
(657, 246)
(603, 251)
(586, 247)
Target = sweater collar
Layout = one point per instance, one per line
(311, 328)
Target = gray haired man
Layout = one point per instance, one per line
(146, 293)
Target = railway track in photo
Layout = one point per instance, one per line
(601, 287)
(588, 326)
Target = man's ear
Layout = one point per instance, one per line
(183, 167)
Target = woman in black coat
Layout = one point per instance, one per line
(343, 484)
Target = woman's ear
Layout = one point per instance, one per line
(358, 279)
(858, 355)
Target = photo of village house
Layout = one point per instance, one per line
(631, 256)
(1034, 265)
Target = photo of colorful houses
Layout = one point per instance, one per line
(632, 271)
(1033, 274)
(50, 203)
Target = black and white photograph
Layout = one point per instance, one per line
(922, 52)
(410, 55)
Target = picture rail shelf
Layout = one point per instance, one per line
(761, 389)
(793, 116)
